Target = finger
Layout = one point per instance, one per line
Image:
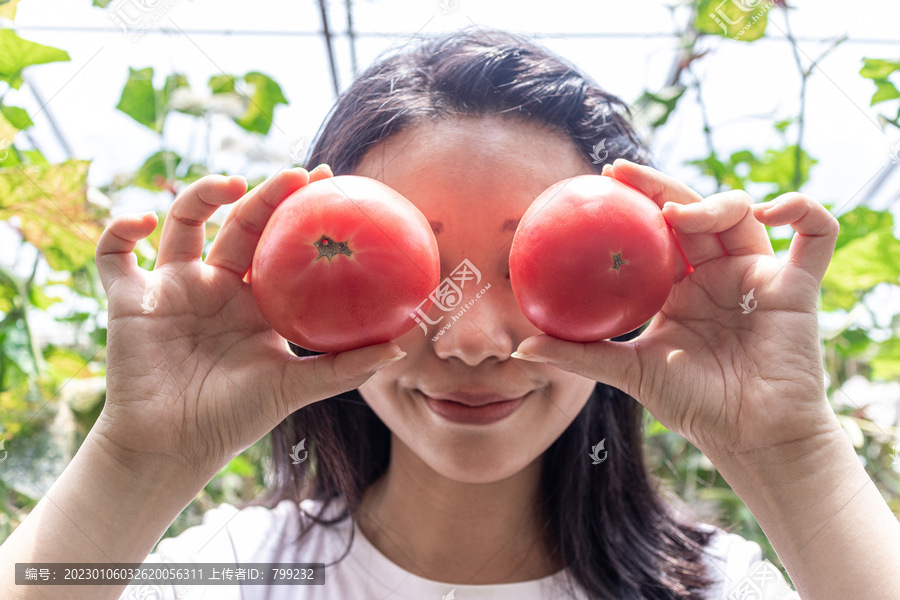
(184, 230)
(654, 184)
(728, 214)
(115, 251)
(661, 188)
(327, 375)
(323, 171)
(611, 363)
(817, 229)
(236, 241)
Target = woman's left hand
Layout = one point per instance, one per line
(728, 380)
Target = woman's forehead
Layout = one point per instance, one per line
(470, 168)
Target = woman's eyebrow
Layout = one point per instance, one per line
(508, 225)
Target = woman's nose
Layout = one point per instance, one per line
(477, 329)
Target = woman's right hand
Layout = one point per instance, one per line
(195, 375)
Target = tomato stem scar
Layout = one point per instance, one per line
(618, 261)
(328, 248)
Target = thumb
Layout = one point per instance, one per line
(612, 363)
(322, 376)
(114, 255)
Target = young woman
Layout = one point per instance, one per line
(405, 494)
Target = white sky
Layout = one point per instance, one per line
(744, 85)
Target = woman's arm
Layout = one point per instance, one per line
(746, 385)
(190, 383)
(823, 515)
(100, 510)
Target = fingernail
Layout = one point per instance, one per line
(523, 356)
(385, 363)
(766, 205)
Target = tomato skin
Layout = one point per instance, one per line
(563, 258)
(347, 301)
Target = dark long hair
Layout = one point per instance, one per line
(611, 528)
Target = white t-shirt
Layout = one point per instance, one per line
(260, 535)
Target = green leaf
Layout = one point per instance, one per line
(56, 216)
(778, 167)
(64, 364)
(851, 342)
(39, 299)
(102, 3)
(17, 117)
(720, 171)
(660, 105)
(195, 172)
(138, 99)
(886, 364)
(157, 170)
(783, 125)
(144, 103)
(239, 465)
(8, 156)
(655, 428)
(8, 9)
(35, 157)
(173, 82)
(8, 294)
(261, 108)
(779, 244)
(885, 91)
(861, 221)
(742, 20)
(16, 347)
(877, 68)
(858, 266)
(16, 54)
(7, 134)
(221, 84)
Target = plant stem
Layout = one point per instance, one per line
(707, 130)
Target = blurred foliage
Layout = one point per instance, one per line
(51, 394)
(866, 257)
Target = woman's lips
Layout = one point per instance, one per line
(467, 414)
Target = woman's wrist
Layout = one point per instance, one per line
(100, 510)
(822, 514)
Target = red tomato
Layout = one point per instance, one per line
(592, 259)
(342, 263)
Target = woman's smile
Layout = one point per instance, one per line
(472, 408)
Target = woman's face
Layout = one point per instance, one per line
(473, 178)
